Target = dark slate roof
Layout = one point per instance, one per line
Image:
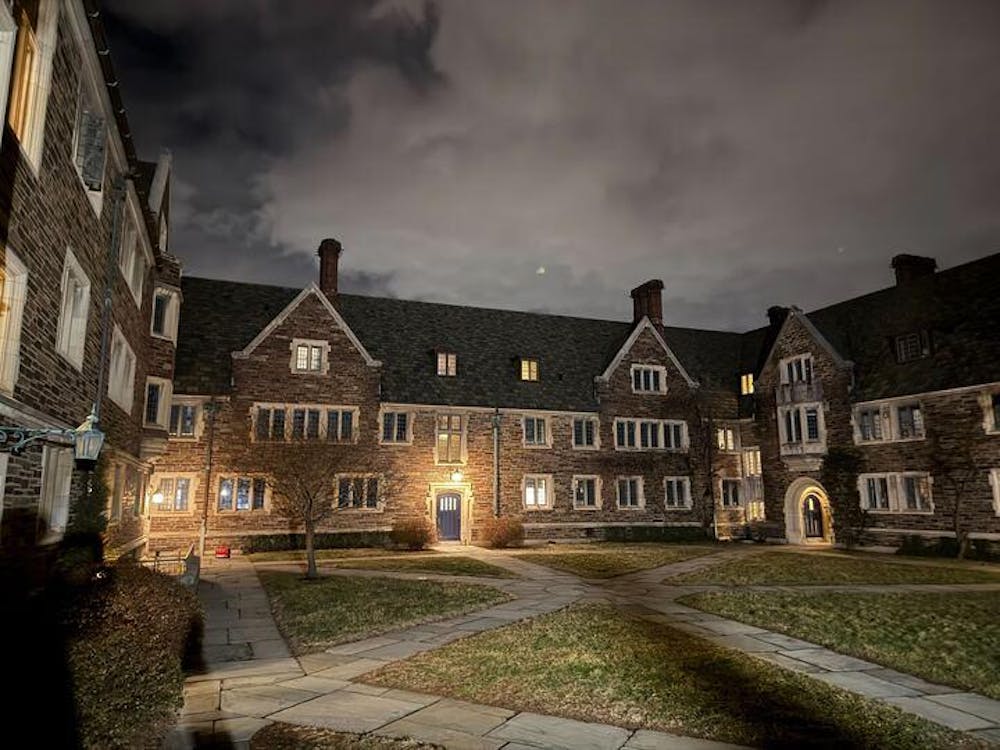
(220, 317)
(959, 307)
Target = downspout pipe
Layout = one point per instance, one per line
(210, 409)
(496, 462)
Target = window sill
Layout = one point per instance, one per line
(536, 446)
(537, 509)
(651, 450)
(396, 443)
(163, 337)
(588, 508)
(631, 507)
(649, 393)
(891, 441)
(255, 511)
(340, 509)
(908, 512)
(669, 508)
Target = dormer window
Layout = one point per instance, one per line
(649, 379)
(911, 346)
(746, 384)
(447, 363)
(529, 369)
(309, 356)
(797, 369)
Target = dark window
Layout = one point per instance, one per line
(911, 422)
(278, 424)
(583, 432)
(333, 425)
(243, 493)
(259, 486)
(182, 418)
(263, 423)
(152, 402)
(996, 411)
(586, 493)
(298, 424)
(312, 424)
(870, 424)
(161, 303)
(812, 424)
(344, 493)
(346, 425)
(731, 493)
(371, 494)
(394, 427)
(911, 346)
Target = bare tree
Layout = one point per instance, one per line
(954, 467)
(302, 490)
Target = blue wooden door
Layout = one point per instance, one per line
(449, 516)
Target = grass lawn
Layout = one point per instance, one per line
(593, 663)
(599, 560)
(949, 638)
(291, 737)
(783, 568)
(314, 615)
(452, 565)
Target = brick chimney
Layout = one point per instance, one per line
(329, 256)
(910, 267)
(776, 316)
(647, 302)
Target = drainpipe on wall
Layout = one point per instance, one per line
(496, 462)
(210, 408)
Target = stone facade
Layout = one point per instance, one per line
(46, 212)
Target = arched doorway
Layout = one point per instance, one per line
(807, 513)
(812, 516)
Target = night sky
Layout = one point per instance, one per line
(747, 153)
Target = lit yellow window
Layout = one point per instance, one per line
(25, 55)
(746, 384)
(529, 369)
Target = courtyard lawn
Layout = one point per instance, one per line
(948, 638)
(790, 568)
(593, 663)
(452, 565)
(292, 737)
(299, 555)
(599, 560)
(314, 615)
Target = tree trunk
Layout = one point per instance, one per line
(310, 552)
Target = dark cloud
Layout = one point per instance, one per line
(748, 153)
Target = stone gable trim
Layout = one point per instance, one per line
(280, 318)
(819, 338)
(644, 325)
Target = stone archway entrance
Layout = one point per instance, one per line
(807, 513)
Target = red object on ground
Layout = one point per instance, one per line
(222, 551)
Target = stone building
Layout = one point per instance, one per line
(83, 229)
(581, 426)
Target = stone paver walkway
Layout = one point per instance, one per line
(251, 679)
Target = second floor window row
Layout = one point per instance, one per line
(281, 423)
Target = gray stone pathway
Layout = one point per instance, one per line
(252, 680)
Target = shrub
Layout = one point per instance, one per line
(129, 637)
(413, 533)
(981, 549)
(337, 540)
(503, 532)
(655, 534)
